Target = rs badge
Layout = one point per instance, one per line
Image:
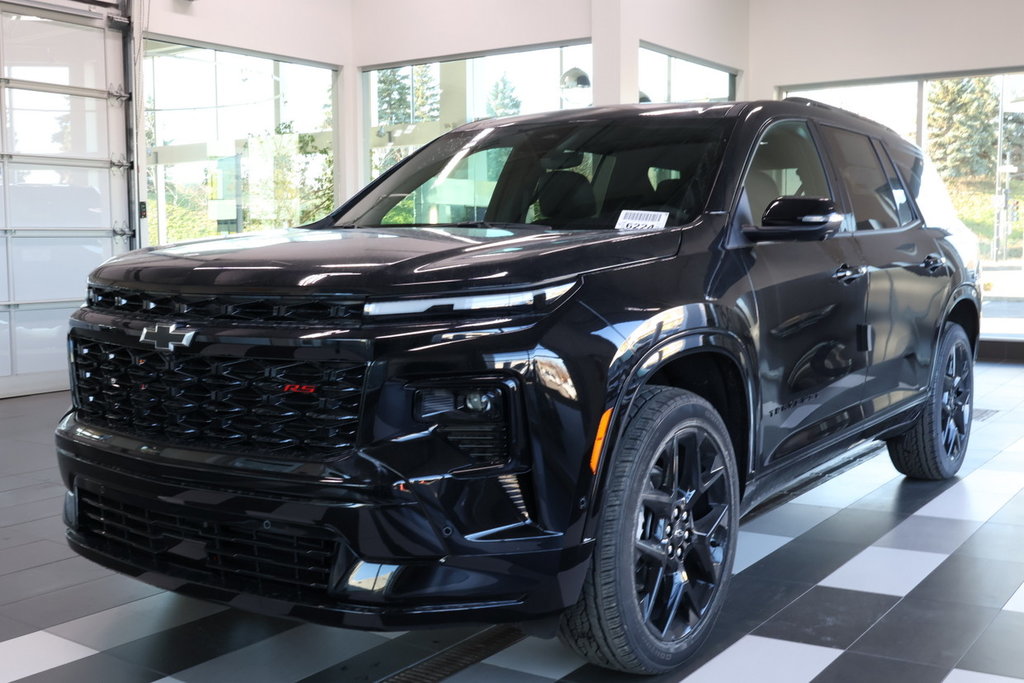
(166, 337)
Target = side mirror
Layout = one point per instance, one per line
(796, 218)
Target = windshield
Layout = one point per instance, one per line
(565, 175)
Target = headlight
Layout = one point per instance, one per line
(510, 302)
(476, 415)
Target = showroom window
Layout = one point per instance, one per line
(665, 77)
(408, 106)
(234, 142)
(973, 130)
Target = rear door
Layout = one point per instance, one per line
(908, 277)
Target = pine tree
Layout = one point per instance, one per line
(503, 100)
(962, 126)
(394, 96)
(426, 93)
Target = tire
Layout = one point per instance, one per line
(666, 542)
(935, 445)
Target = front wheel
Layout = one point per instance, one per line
(935, 445)
(667, 538)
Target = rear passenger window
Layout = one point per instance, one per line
(875, 206)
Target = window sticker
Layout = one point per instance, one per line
(642, 220)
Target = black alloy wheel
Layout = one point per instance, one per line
(666, 544)
(936, 443)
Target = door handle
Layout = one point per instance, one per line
(847, 274)
(933, 262)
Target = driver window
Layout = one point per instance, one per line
(785, 164)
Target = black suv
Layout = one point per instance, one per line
(539, 369)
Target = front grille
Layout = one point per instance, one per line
(233, 404)
(198, 308)
(237, 555)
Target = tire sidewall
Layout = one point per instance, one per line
(619, 529)
(952, 336)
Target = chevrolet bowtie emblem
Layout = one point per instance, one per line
(166, 337)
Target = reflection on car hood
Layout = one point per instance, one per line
(384, 261)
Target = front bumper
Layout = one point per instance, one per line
(308, 543)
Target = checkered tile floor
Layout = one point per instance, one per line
(866, 577)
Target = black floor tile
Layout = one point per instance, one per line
(903, 496)
(1000, 649)
(59, 606)
(804, 560)
(34, 554)
(392, 656)
(1011, 513)
(185, 646)
(996, 542)
(971, 580)
(852, 667)
(12, 628)
(926, 632)
(98, 667)
(29, 512)
(830, 617)
(31, 493)
(48, 578)
(855, 526)
(753, 600)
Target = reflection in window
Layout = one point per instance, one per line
(665, 78)
(973, 129)
(411, 105)
(234, 142)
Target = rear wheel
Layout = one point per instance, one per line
(935, 445)
(667, 538)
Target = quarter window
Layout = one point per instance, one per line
(875, 206)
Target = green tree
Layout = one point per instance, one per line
(962, 126)
(426, 93)
(394, 96)
(503, 100)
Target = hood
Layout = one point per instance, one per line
(384, 261)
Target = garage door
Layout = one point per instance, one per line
(64, 179)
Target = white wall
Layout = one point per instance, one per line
(396, 31)
(311, 30)
(713, 31)
(796, 42)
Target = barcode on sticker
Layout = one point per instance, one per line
(642, 220)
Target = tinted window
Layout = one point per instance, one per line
(874, 205)
(899, 193)
(785, 164)
(579, 175)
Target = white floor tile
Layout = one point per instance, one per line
(976, 497)
(753, 546)
(961, 676)
(766, 660)
(36, 652)
(890, 571)
(538, 656)
(1016, 602)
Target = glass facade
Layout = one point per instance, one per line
(234, 142)
(973, 130)
(666, 78)
(408, 106)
